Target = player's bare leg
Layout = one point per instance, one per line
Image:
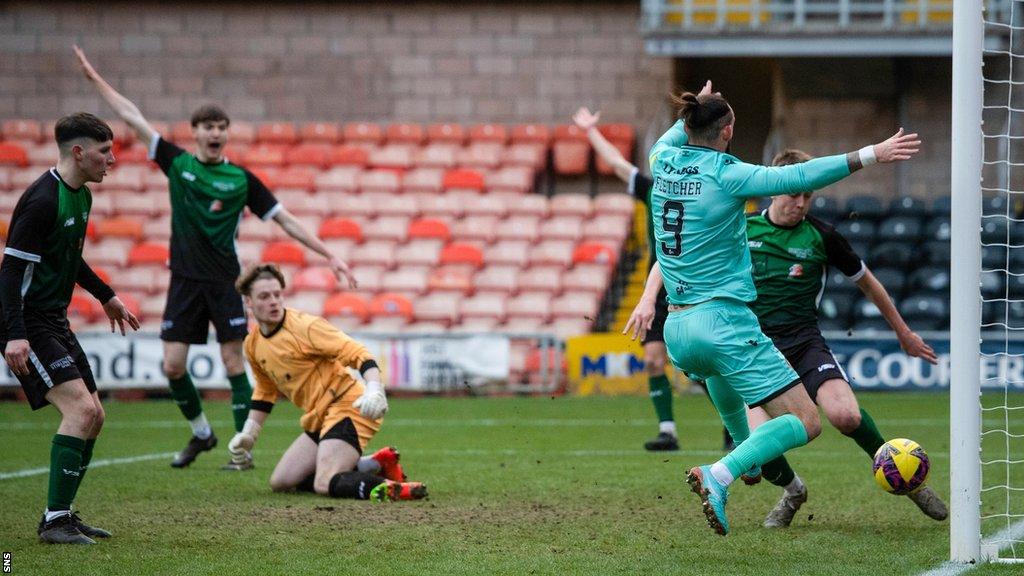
(297, 464)
(187, 398)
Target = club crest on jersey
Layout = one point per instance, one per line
(216, 206)
(224, 186)
(69, 222)
(796, 270)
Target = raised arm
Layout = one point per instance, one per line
(673, 138)
(748, 180)
(587, 121)
(910, 341)
(123, 107)
(296, 230)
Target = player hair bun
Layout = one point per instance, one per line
(701, 111)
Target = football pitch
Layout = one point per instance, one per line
(517, 486)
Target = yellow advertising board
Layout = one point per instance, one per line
(606, 364)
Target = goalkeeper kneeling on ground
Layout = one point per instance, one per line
(305, 359)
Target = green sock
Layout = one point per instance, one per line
(241, 397)
(730, 407)
(186, 396)
(867, 435)
(86, 457)
(778, 472)
(769, 441)
(661, 396)
(65, 471)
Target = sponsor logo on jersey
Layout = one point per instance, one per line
(755, 243)
(69, 222)
(224, 186)
(216, 206)
(824, 367)
(240, 321)
(801, 253)
(188, 176)
(691, 170)
(796, 270)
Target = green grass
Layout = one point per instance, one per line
(518, 486)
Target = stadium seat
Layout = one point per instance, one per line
(565, 328)
(518, 228)
(995, 230)
(23, 130)
(993, 257)
(869, 326)
(570, 151)
(562, 228)
(864, 208)
(836, 307)
(614, 203)
(379, 180)
(129, 178)
(613, 229)
(423, 180)
(571, 205)
(389, 304)
(277, 133)
(941, 207)
(346, 304)
(109, 251)
(542, 279)
(137, 154)
(23, 178)
(12, 154)
(514, 179)
(520, 325)
(375, 252)
(894, 280)
(857, 230)
(995, 206)
(314, 279)
(362, 132)
(533, 205)
(895, 254)
(5, 178)
(284, 252)
(83, 307)
(993, 285)
(446, 132)
(530, 305)
(525, 155)
(936, 253)
(475, 228)
(119, 227)
(392, 156)
(354, 206)
(908, 206)
(553, 252)
(141, 280)
(537, 133)
(622, 137)
(390, 228)
(484, 305)
(512, 252)
(595, 253)
(900, 229)
(579, 305)
(262, 155)
(387, 204)
(443, 206)
(406, 280)
(405, 133)
(450, 279)
(341, 179)
(326, 132)
(488, 133)
(486, 205)
(463, 178)
(939, 228)
(478, 325)
(480, 155)
(314, 154)
(419, 252)
(461, 253)
(432, 228)
(347, 155)
(438, 307)
(499, 278)
(300, 177)
(149, 254)
(586, 278)
(924, 312)
(865, 309)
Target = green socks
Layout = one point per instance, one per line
(86, 456)
(65, 471)
(186, 396)
(241, 397)
(730, 407)
(769, 441)
(661, 396)
(778, 472)
(867, 435)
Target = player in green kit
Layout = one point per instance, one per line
(701, 246)
(42, 263)
(208, 194)
(790, 252)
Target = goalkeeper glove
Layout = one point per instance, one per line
(372, 404)
(243, 442)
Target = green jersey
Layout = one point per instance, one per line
(206, 208)
(790, 266)
(697, 205)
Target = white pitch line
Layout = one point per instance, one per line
(97, 464)
(1006, 536)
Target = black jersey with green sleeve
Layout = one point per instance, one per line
(206, 208)
(640, 187)
(790, 265)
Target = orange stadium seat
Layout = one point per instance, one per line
(537, 133)
(284, 252)
(405, 133)
(12, 154)
(440, 307)
(5, 178)
(136, 280)
(84, 307)
(366, 132)
(277, 133)
(389, 304)
(241, 132)
(484, 306)
(346, 304)
(519, 228)
(5, 227)
(516, 179)
(614, 203)
(47, 153)
(541, 279)
(571, 205)
(327, 132)
(23, 178)
(318, 154)
(423, 180)
(450, 279)
(488, 133)
(119, 227)
(341, 227)
(586, 278)
(528, 154)
(461, 253)
(149, 253)
(423, 252)
(346, 155)
(622, 137)
(497, 278)
(269, 154)
(314, 279)
(437, 155)
(570, 151)
(485, 155)
(341, 178)
(266, 174)
(181, 133)
(463, 179)
(475, 228)
(446, 132)
(562, 228)
(511, 252)
(136, 154)
(429, 228)
(553, 252)
(595, 253)
(23, 131)
(297, 177)
(530, 305)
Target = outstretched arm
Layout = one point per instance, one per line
(910, 341)
(296, 230)
(587, 121)
(123, 107)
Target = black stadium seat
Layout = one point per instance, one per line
(908, 206)
(857, 230)
(864, 208)
(942, 206)
(993, 285)
(994, 231)
(924, 306)
(993, 257)
(871, 325)
(838, 283)
(931, 278)
(825, 208)
(894, 280)
(836, 307)
(994, 205)
(900, 229)
(897, 254)
(826, 325)
(935, 253)
(938, 228)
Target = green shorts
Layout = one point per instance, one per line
(722, 337)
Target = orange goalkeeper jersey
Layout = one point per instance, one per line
(305, 360)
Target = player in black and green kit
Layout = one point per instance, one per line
(790, 252)
(42, 263)
(208, 195)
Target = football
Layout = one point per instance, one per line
(901, 466)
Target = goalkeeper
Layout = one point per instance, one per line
(307, 360)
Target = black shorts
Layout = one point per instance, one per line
(56, 356)
(808, 353)
(657, 331)
(192, 305)
(344, 430)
